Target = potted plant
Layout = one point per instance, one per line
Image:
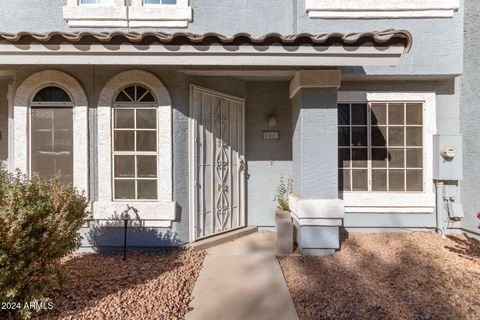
(283, 218)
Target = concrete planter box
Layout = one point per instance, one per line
(284, 225)
(317, 222)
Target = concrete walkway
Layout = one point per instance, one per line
(242, 279)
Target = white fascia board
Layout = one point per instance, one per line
(368, 9)
(246, 55)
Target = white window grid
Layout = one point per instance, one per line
(369, 146)
(135, 107)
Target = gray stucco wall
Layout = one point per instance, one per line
(470, 117)
(267, 159)
(437, 43)
(93, 79)
(437, 49)
(315, 138)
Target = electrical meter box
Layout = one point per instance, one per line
(447, 157)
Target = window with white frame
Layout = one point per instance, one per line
(98, 2)
(134, 147)
(133, 13)
(51, 134)
(380, 147)
(160, 2)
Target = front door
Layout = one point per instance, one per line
(217, 165)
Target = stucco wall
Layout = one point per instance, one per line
(262, 98)
(267, 159)
(437, 43)
(437, 48)
(93, 80)
(470, 117)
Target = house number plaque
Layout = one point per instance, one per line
(271, 135)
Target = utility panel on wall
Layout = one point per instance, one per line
(447, 157)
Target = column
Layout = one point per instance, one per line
(315, 206)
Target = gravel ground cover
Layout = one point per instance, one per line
(389, 276)
(145, 286)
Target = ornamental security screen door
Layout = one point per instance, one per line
(217, 165)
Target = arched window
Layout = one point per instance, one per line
(135, 153)
(51, 134)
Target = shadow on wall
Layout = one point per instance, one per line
(108, 236)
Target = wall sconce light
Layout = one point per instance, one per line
(271, 120)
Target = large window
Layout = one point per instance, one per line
(135, 145)
(380, 147)
(52, 134)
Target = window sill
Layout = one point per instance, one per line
(164, 212)
(377, 9)
(165, 16)
(389, 202)
(95, 16)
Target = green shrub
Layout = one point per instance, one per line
(39, 224)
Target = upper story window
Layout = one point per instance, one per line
(138, 13)
(98, 2)
(381, 9)
(160, 1)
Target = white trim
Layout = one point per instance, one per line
(119, 15)
(81, 15)
(303, 79)
(387, 209)
(162, 209)
(218, 55)
(391, 201)
(11, 127)
(160, 15)
(21, 137)
(316, 208)
(381, 9)
(317, 222)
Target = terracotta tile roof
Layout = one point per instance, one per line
(351, 39)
